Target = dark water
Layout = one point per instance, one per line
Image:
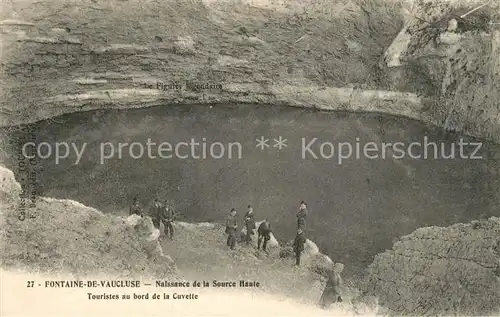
(356, 208)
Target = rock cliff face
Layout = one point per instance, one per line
(453, 270)
(63, 236)
(449, 51)
(60, 57)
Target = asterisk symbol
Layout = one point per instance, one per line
(280, 143)
(262, 142)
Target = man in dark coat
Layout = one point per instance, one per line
(231, 227)
(331, 294)
(135, 208)
(298, 245)
(301, 216)
(264, 232)
(249, 220)
(155, 211)
(167, 217)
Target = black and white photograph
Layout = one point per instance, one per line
(250, 158)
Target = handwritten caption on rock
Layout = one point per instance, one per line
(114, 284)
(27, 175)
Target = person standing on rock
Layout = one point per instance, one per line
(298, 245)
(156, 212)
(231, 228)
(249, 220)
(264, 232)
(135, 208)
(331, 294)
(301, 216)
(167, 217)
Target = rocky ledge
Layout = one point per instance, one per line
(53, 236)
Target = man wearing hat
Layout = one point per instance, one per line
(301, 216)
(135, 208)
(167, 217)
(156, 212)
(231, 227)
(249, 220)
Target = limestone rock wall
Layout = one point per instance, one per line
(452, 270)
(60, 57)
(449, 52)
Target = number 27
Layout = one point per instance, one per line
(31, 284)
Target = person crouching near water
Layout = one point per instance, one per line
(331, 294)
(249, 220)
(264, 233)
(231, 228)
(298, 245)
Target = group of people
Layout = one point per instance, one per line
(331, 292)
(164, 213)
(159, 212)
(264, 230)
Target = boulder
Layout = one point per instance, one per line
(320, 263)
(9, 187)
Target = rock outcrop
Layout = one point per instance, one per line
(449, 51)
(9, 191)
(55, 236)
(452, 270)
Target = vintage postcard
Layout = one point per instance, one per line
(250, 158)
